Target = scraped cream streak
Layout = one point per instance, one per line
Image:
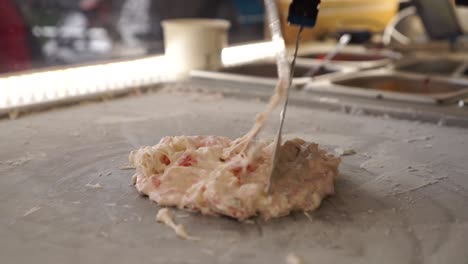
(165, 216)
(201, 173)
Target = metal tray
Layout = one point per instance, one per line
(385, 84)
(269, 70)
(50, 216)
(433, 66)
(346, 56)
(266, 73)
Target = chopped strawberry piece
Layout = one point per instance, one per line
(156, 182)
(165, 160)
(187, 161)
(251, 168)
(236, 170)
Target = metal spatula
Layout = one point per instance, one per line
(278, 140)
(304, 14)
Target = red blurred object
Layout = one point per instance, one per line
(14, 51)
(89, 4)
(187, 161)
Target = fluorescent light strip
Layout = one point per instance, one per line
(251, 52)
(45, 87)
(66, 84)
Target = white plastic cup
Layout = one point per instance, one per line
(195, 44)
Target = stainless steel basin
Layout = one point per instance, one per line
(346, 56)
(269, 70)
(265, 73)
(433, 66)
(445, 67)
(401, 84)
(384, 84)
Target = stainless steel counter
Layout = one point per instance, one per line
(401, 199)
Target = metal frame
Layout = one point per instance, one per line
(439, 18)
(296, 82)
(330, 86)
(390, 56)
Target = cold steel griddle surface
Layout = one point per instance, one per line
(402, 198)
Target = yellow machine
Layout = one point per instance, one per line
(336, 15)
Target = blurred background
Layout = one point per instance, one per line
(41, 33)
(52, 50)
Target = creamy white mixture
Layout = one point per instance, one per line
(216, 176)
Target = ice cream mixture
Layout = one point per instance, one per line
(217, 176)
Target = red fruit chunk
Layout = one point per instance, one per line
(236, 171)
(165, 160)
(187, 161)
(251, 168)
